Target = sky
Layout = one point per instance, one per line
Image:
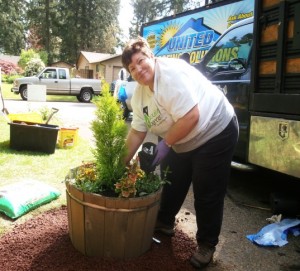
(125, 16)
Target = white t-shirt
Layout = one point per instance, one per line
(178, 87)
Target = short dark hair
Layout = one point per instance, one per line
(135, 46)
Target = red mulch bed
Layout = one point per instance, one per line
(43, 244)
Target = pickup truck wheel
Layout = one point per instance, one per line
(86, 96)
(23, 93)
(79, 98)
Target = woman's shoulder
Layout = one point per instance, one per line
(167, 60)
(175, 64)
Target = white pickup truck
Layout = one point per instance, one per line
(58, 82)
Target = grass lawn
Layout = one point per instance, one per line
(50, 169)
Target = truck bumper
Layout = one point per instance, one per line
(15, 90)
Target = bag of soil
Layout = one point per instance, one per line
(21, 197)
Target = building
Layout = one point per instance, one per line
(99, 66)
(62, 64)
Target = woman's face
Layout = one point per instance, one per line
(142, 69)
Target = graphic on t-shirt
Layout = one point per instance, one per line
(146, 117)
(154, 119)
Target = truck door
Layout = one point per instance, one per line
(228, 65)
(64, 83)
(49, 78)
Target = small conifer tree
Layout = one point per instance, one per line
(110, 131)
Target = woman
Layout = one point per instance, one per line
(199, 131)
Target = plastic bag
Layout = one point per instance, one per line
(21, 197)
(122, 96)
(275, 234)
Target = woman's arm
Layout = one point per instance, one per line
(183, 126)
(133, 142)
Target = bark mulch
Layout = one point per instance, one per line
(43, 243)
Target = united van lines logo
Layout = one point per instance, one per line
(283, 130)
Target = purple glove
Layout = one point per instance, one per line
(161, 152)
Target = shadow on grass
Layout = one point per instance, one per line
(6, 149)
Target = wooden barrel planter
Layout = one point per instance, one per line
(102, 226)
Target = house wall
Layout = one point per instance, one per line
(84, 68)
(107, 70)
(112, 68)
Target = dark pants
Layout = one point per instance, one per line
(208, 169)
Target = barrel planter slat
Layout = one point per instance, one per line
(75, 215)
(111, 227)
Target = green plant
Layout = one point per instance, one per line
(11, 78)
(45, 112)
(135, 182)
(34, 66)
(109, 130)
(26, 56)
(108, 175)
(86, 178)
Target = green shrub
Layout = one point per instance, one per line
(34, 66)
(110, 131)
(11, 78)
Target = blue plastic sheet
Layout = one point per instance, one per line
(275, 234)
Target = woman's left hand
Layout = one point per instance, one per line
(161, 152)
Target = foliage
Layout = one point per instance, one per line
(45, 112)
(43, 56)
(34, 66)
(26, 56)
(110, 130)
(64, 28)
(9, 68)
(86, 178)
(9, 79)
(126, 186)
(135, 182)
(109, 175)
(13, 26)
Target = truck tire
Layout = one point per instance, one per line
(23, 93)
(86, 95)
(79, 98)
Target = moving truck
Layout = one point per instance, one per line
(256, 63)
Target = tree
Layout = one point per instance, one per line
(44, 24)
(12, 25)
(88, 26)
(26, 56)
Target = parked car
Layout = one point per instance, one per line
(58, 82)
